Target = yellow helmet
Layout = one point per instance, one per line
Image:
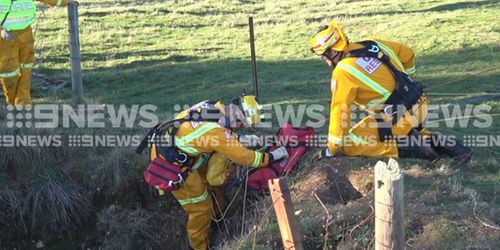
(251, 109)
(329, 36)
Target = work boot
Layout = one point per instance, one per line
(449, 146)
(417, 148)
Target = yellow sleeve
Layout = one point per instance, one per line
(54, 2)
(224, 142)
(343, 95)
(404, 53)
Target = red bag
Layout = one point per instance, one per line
(296, 140)
(164, 175)
(285, 166)
(289, 135)
(257, 180)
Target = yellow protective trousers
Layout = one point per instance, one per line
(363, 138)
(194, 197)
(16, 61)
(196, 138)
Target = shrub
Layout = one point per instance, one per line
(11, 208)
(54, 203)
(140, 229)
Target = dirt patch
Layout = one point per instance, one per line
(440, 234)
(361, 180)
(329, 180)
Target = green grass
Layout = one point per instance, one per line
(181, 52)
(165, 53)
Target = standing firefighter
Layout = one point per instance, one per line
(375, 75)
(17, 47)
(200, 142)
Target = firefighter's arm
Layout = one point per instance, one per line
(405, 54)
(249, 141)
(222, 141)
(343, 95)
(56, 2)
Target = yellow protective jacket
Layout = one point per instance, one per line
(195, 138)
(365, 82)
(6, 6)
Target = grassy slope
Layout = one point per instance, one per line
(170, 52)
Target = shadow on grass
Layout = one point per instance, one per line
(439, 8)
(85, 14)
(461, 5)
(178, 78)
(122, 3)
(207, 11)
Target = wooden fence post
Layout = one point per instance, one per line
(74, 45)
(389, 206)
(283, 206)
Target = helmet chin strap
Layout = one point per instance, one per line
(334, 59)
(226, 122)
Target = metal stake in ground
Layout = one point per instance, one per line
(74, 45)
(389, 206)
(283, 206)
(254, 60)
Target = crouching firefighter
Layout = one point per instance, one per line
(183, 150)
(376, 76)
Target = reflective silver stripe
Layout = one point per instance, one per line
(194, 200)
(27, 65)
(411, 70)
(354, 138)
(203, 129)
(198, 163)
(10, 74)
(365, 79)
(373, 103)
(335, 139)
(357, 140)
(257, 159)
(185, 148)
(391, 53)
(13, 21)
(59, 2)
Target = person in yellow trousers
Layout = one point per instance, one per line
(17, 47)
(376, 75)
(211, 134)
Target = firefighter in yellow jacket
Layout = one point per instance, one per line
(17, 47)
(365, 74)
(209, 132)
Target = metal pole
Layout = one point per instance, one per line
(74, 45)
(254, 61)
